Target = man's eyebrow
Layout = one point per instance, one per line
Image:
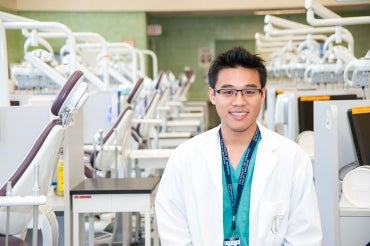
(251, 86)
(226, 86)
(247, 86)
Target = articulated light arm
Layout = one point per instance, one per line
(320, 10)
(47, 26)
(265, 43)
(330, 18)
(283, 23)
(154, 61)
(90, 37)
(122, 47)
(141, 57)
(300, 37)
(338, 37)
(6, 17)
(272, 31)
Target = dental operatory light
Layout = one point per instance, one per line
(357, 73)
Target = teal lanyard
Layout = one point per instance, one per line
(242, 177)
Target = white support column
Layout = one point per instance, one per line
(73, 168)
(4, 76)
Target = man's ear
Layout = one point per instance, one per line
(211, 94)
(263, 92)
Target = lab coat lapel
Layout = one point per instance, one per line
(265, 163)
(213, 159)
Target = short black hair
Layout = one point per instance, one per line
(237, 57)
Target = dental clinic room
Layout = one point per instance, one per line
(121, 123)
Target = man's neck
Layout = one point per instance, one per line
(237, 142)
(234, 138)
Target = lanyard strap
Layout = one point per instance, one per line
(243, 173)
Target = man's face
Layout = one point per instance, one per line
(237, 112)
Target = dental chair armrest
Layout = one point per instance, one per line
(193, 108)
(150, 153)
(182, 99)
(196, 103)
(187, 106)
(163, 108)
(22, 200)
(191, 115)
(90, 148)
(183, 123)
(175, 103)
(149, 121)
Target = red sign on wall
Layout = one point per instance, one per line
(154, 30)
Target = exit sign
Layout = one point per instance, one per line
(154, 29)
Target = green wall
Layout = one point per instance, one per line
(182, 36)
(113, 26)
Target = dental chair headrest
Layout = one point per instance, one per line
(356, 188)
(71, 96)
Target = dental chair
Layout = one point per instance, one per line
(148, 125)
(107, 159)
(155, 129)
(111, 145)
(187, 78)
(183, 108)
(25, 191)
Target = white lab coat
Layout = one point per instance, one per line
(283, 209)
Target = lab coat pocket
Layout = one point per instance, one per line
(272, 222)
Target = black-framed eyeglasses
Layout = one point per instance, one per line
(228, 92)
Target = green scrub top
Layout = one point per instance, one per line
(242, 216)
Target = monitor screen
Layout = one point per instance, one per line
(305, 108)
(359, 121)
(14, 103)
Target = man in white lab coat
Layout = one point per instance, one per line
(238, 183)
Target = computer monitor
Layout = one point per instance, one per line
(14, 103)
(305, 108)
(359, 121)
